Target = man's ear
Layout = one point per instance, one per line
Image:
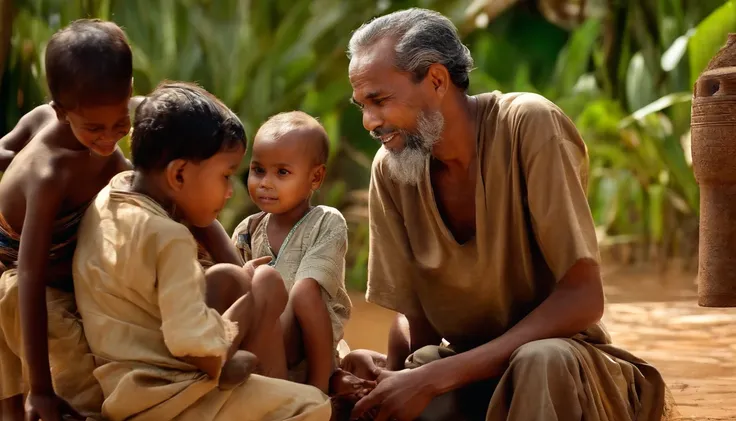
(175, 174)
(60, 112)
(438, 79)
(318, 176)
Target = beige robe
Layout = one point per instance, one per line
(315, 248)
(532, 224)
(140, 291)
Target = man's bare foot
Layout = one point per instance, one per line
(348, 387)
(237, 369)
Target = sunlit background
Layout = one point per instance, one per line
(623, 70)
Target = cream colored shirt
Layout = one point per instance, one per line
(315, 248)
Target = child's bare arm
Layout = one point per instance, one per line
(22, 133)
(216, 241)
(44, 199)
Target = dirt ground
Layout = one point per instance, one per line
(655, 317)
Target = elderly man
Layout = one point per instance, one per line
(481, 236)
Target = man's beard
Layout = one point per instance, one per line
(407, 166)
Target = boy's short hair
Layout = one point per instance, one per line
(180, 120)
(89, 62)
(282, 123)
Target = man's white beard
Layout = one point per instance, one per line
(408, 165)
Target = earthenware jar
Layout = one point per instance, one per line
(713, 129)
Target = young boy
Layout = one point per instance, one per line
(307, 244)
(58, 157)
(43, 194)
(167, 329)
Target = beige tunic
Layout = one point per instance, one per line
(532, 224)
(315, 248)
(140, 291)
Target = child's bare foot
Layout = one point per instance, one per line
(346, 386)
(237, 369)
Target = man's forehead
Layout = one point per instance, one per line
(370, 79)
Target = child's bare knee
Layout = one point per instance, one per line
(306, 292)
(225, 284)
(268, 283)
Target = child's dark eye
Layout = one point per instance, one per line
(94, 129)
(258, 170)
(283, 172)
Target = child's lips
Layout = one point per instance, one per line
(267, 199)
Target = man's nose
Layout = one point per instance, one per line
(371, 120)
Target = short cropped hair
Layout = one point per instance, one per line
(283, 123)
(89, 62)
(180, 120)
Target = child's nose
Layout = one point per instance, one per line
(266, 182)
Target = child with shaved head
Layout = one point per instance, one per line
(307, 245)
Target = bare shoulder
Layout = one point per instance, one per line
(37, 117)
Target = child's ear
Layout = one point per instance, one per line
(175, 174)
(318, 176)
(60, 113)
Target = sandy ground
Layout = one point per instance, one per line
(655, 317)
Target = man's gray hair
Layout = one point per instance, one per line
(423, 37)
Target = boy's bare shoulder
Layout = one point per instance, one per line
(37, 117)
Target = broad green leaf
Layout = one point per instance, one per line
(656, 106)
(573, 61)
(639, 83)
(671, 58)
(710, 35)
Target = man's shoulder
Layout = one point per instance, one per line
(513, 106)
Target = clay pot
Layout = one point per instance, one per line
(713, 126)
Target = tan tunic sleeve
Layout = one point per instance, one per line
(555, 164)
(324, 261)
(390, 271)
(189, 326)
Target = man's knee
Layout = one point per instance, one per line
(268, 286)
(554, 356)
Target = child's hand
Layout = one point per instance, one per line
(237, 369)
(49, 407)
(251, 265)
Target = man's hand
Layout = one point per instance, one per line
(49, 407)
(251, 265)
(400, 395)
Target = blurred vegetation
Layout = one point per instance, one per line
(622, 69)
